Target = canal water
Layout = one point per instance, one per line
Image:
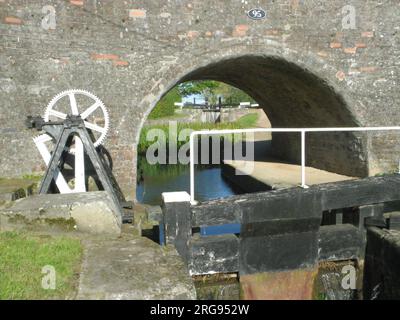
(155, 179)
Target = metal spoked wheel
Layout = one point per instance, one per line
(91, 110)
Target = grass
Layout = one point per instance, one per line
(22, 258)
(166, 106)
(246, 121)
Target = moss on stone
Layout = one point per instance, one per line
(67, 224)
(335, 267)
(217, 287)
(63, 224)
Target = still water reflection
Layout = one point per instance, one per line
(155, 179)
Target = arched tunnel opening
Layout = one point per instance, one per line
(293, 97)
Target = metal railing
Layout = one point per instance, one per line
(302, 132)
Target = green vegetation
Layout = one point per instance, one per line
(246, 121)
(22, 258)
(32, 177)
(212, 90)
(155, 170)
(208, 89)
(165, 107)
(205, 88)
(163, 172)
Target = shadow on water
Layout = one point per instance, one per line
(155, 179)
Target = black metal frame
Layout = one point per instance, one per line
(61, 132)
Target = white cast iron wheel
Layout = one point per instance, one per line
(68, 101)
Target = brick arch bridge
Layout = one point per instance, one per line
(298, 63)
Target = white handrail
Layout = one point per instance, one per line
(302, 131)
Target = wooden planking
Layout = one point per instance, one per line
(278, 252)
(361, 192)
(280, 226)
(297, 202)
(293, 204)
(216, 213)
(280, 230)
(214, 254)
(382, 265)
(340, 242)
(220, 254)
(177, 226)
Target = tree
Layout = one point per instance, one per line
(205, 88)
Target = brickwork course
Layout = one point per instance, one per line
(299, 63)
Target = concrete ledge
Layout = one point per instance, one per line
(247, 183)
(271, 173)
(89, 212)
(133, 269)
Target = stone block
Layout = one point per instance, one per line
(133, 269)
(13, 20)
(90, 212)
(154, 213)
(137, 13)
(95, 217)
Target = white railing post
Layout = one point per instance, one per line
(191, 150)
(303, 159)
(302, 131)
